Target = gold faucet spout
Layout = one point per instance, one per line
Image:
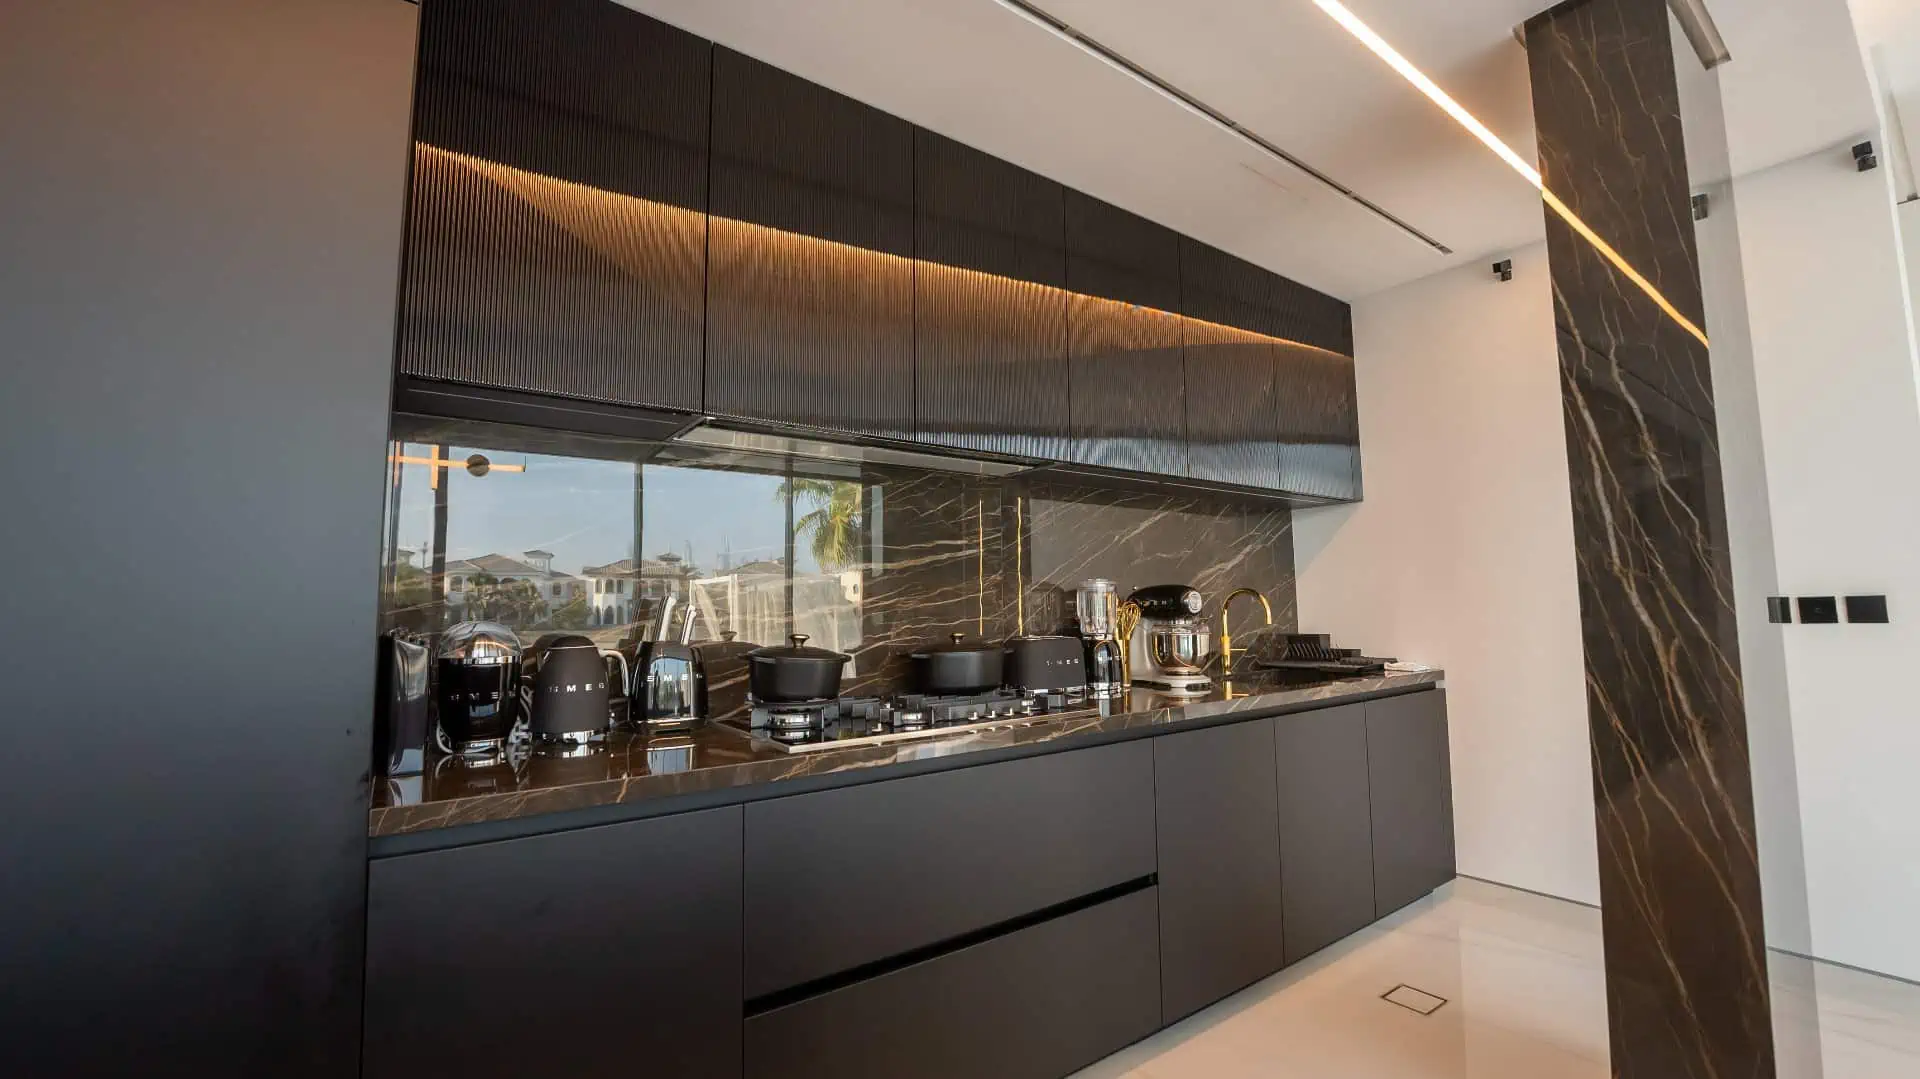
(1226, 634)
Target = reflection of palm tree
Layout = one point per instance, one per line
(831, 526)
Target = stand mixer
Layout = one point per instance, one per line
(1169, 649)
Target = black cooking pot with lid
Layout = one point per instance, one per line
(958, 666)
(794, 672)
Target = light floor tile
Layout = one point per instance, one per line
(1525, 984)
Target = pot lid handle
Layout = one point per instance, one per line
(958, 637)
(798, 640)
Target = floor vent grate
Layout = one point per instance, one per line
(1414, 1000)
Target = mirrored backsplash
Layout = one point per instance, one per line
(623, 540)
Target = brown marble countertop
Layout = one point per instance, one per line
(630, 769)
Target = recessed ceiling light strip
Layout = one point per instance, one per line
(1207, 112)
(1431, 89)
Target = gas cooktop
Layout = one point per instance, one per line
(857, 721)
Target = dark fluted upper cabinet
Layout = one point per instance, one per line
(1319, 424)
(557, 234)
(990, 306)
(810, 290)
(1128, 386)
(1233, 362)
(1319, 410)
(1270, 389)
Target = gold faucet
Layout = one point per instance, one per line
(1226, 635)
(1125, 621)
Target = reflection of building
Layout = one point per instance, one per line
(751, 601)
(554, 588)
(620, 594)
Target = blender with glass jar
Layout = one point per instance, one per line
(1098, 608)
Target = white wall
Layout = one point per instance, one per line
(1840, 418)
(1462, 556)
(1749, 511)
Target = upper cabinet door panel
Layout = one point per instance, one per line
(810, 291)
(1217, 287)
(1127, 375)
(990, 306)
(557, 234)
(1319, 423)
(1309, 316)
(1233, 356)
(1233, 423)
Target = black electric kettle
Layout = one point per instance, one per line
(563, 691)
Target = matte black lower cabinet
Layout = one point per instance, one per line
(1039, 1003)
(1219, 840)
(1410, 779)
(1326, 833)
(603, 952)
(839, 879)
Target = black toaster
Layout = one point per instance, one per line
(1046, 665)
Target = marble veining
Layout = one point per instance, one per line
(914, 554)
(623, 774)
(1686, 970)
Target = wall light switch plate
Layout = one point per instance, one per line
(1867, 609)
(1819, 610)
(1779, 610)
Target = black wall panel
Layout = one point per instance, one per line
(990, 307)
(810, 289)
(557, 238)
(1125, 340)
(203, 232)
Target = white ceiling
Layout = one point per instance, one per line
(982, 74)
(1797, 82)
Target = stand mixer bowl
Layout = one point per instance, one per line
(1178, 647)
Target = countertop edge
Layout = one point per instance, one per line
(439, 826)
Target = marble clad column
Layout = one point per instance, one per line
(1679, 874)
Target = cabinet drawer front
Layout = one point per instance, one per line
(628, 928)
(843, 878)
(1038, 1003)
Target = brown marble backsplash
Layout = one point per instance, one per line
(869, 560)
